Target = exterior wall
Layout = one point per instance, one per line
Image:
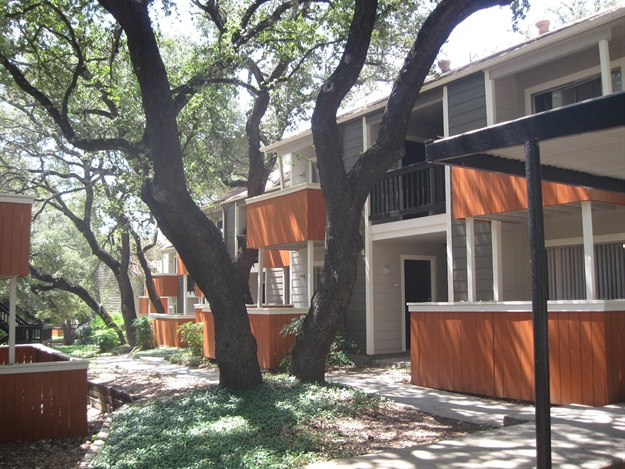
(165, 330)
(483, 261)
(351, 138)
(275, 258)
(506, 101)
(41, 404)
(467, 104)
(14, 238)
(293, 217)
(274, 286)
(299, 293)
(478, 193)
(515, 262)
(389, 310)
(491, 353)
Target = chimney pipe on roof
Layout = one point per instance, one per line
(543, 26)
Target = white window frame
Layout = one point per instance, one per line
(577, 76)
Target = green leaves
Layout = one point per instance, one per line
(268, 426)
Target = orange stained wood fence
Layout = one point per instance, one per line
(272, 345)
(478, 193)
(166, 331)
(41, 405)
(14, 238)
(492, 354)
(293, 217)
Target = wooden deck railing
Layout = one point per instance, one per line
(44, 395)
(411, 190)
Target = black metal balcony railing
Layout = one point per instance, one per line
(415, 190)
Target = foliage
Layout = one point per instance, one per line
(573, 10)
(105, 339)
(338, 356)
(83, 333)
(193, 334)
(186, 358)
(267, 426)
(155, 352)
(97, 323)
(144, 333)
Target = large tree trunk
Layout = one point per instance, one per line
(196, 239)
(345, 194)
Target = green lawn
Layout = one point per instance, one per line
(78, 351)
(268, 426)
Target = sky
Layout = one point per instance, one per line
(490, 30)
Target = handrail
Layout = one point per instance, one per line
(408, 191)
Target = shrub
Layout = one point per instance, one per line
(341, 346)
(97, 323)
(105, 339)
(83, 334)
(193, 334)
(144, 333)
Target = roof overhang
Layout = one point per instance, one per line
(582, 144)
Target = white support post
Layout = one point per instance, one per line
(12, 299)
(589, 252)
(310, 257)
(184, 294)
(489, 89)
(281, 167)
(606, 71)
(470, 242)
(495, 230)
(448, 205)
(261, 275)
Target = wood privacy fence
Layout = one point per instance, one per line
(44, 395)
(166, 329)
(492, 353)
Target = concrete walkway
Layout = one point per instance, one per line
(582, 437)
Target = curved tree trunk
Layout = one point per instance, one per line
(196, 239)
(80, 292)
(149, 279)
(129, 311)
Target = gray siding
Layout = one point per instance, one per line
(467, 104)
(505, 100)
(274, 286)
(351, 137)
(483, 261)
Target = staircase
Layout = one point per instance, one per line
(25, 333)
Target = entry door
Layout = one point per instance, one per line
(417, 287)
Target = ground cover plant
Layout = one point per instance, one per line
(279, 424)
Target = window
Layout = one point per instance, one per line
(574, 92)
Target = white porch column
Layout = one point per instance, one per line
(470, 242)
(369, 303)
(448, 206)
(12, 299)
(184, 295)
(495, 230)
(589, 252)
(489, 89)
(310, 257)
(261, 275)
(281, 168)
(606, 71)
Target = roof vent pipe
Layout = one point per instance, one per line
(543, 26)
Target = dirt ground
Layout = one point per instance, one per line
(394, 427)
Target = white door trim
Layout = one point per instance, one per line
(433, 292)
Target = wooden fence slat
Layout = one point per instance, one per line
(599, 360)
(554, 360)
(18, 410)
(46, 421)
(446, 352)
(587, 362)
(7, 428)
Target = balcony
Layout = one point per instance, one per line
(410, 192)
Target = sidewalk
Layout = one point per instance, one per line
(582, 437)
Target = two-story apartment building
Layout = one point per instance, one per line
(456, 236)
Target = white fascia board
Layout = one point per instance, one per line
(413, 227)
(16, 199)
